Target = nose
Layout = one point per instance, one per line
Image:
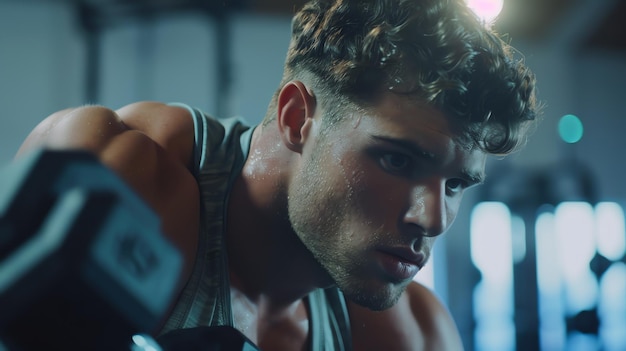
(428, 212)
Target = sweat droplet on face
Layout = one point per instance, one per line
(357, 122)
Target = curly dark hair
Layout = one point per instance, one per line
(435, 50)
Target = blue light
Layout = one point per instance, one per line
(570, 129)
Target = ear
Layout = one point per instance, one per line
(295, 109)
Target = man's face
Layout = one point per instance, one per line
(372, 192)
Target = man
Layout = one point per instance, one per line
(386, 113)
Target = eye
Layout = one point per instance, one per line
(395, 162)
(456, 185)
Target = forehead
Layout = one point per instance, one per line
(405, 115)
(419, 126)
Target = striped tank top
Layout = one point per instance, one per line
(221, 148)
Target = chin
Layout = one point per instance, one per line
(378, 300)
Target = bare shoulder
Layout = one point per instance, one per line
(419, 321)
(434, 318)
(94, 127)
(148, 144)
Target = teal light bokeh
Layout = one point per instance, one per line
(570, 129)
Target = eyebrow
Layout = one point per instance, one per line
(412, 147)
(475, 178)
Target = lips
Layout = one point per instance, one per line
(400, 263)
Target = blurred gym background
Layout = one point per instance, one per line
(536, 259)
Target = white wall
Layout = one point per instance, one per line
(43, 64)
(600, 101)
(40, 67)
(591, 85)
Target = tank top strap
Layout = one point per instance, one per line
(329, 321)
(220, 149)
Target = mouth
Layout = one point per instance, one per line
(400, 264)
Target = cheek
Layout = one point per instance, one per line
(452, 209)
(375, 196)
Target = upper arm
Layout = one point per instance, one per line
(149, 145)
(419, 321)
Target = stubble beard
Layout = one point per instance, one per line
(317, 212)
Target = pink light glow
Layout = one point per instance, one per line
(487, 10)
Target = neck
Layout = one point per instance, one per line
(267, 260)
